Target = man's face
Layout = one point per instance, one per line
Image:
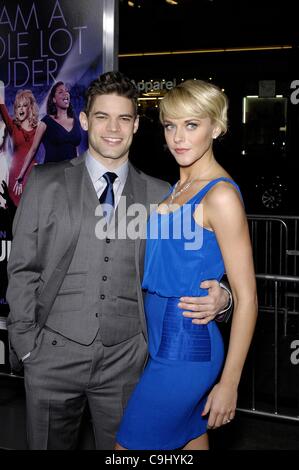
(111, 124)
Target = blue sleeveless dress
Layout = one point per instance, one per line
(164, 411)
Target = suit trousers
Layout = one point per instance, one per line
(61, 376)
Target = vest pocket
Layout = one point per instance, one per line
(127, 307)
(68, 301)
(74, 282)
(71, 293)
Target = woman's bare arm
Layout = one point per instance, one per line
(226, 216)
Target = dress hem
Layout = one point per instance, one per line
(168, 447)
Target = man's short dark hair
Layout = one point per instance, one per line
(111, 83)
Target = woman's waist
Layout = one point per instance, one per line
(172, 336)
(169, 313)
(181, 278)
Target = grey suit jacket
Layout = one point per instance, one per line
(45, 229)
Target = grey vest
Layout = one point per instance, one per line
(99, 291)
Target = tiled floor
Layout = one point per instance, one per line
(244, 433)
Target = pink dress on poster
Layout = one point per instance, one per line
(22, 141)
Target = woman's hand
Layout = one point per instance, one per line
(18, 187)
(221, 405)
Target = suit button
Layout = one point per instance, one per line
(54, 342)
(107, 240)
(102, 297)
(106, 259)
(104, 278)
(97, 314)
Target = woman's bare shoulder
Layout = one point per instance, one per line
(224, 192)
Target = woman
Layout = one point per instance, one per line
(21, 129)
(182, 392)
(3, 160)
(59, 130)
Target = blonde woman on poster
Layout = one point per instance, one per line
(3, 160)
(21, 129)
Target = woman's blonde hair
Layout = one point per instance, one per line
(27, 95)
(198, 99)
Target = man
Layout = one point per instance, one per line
(84, 282)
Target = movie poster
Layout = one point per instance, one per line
(49, 52)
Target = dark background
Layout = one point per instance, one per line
(264, 174)
(157, 25)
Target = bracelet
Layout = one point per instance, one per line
(230, 302)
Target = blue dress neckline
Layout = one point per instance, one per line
(221, 178)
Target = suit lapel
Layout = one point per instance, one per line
(120, 220)
(74, 178)
(74, 183)
(139, 189)
(139, 186)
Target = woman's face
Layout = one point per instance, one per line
(62, 97)
(22, 110)
(189, 138)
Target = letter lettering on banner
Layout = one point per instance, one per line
(295, 95)
(26, 24)
(59, 16)
(295, 354)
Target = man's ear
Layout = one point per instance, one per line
(83, 121)
(136, 125)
